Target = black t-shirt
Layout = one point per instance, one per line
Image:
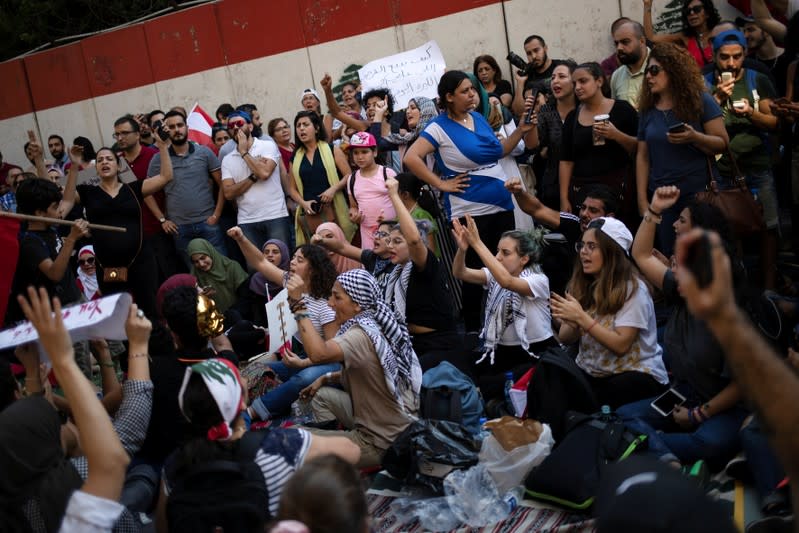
(380, 269)
(429, 299)
(115, 249)
(503, 87)
(590, 160)
(558, 257)
(695, 355)
(544, 77)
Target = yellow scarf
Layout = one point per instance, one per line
(339, 203)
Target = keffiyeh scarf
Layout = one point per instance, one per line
(504, 308)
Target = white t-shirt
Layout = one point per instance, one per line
(265, 200)
(645, 354)
(536, 307)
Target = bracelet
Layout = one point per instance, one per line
(329, 376)
(701, 415)
(298, 305)
(135, 355)
(594, 323)
(649, 218)
(691, 417)
(300, 315)
(649, 208)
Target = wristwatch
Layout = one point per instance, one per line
(162, 220)
(253, 178)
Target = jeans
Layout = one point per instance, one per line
(715, 440)
(278, 401)
(199, 230)
(763, 181)
(260, 232)
(141, 487)
(763, 463)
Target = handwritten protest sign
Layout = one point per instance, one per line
(281, 321)
(407, 74)
(98, 319)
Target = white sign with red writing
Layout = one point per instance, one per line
(98, 319)
(281, 321)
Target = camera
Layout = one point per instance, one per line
(518, 61)
(158, 127)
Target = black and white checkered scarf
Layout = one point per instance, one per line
(389, 336)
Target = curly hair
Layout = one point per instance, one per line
(685, 82)
(711, 12)
(323, 272)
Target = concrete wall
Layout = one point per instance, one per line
(266, 52)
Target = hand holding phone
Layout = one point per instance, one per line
(677, 128)
(666, 402)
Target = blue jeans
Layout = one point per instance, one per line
(141, 487)
(715, 440)
(199, 230)
(260, 232)
(763, 463)
(278, 401)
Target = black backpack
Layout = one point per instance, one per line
(230, 494)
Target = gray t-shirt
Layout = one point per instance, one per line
(189, 196)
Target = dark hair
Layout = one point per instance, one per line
(791, 41)
(174, 113)
(604, 194)
(8, 385)
(224, 109)
(216, 128)
(36, 195)
(491, 63)
(129, 120)
(107, 149)
(180, 312)
(535, 37)
(151, 114)
(570, 64)
(448, 84)
(161, 343)
(381, 93)
(247, 108)
(618, 22)
(528, 243)
(596, 72)
(326, 495)
(323, 272)
(711, 12)
(316, 121)
(415, 188)
(272, 125)
(55, 136)
(88, 148)
(711, 218)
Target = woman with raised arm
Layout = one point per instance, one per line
(124, 261)
(698, 18)
(517, 324)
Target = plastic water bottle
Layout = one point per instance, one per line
(508, 387)
(482, 433)
(755, 191)
(513, 498)
(605, 413)
(301, 412)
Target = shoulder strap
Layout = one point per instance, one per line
(352, 184)
(385, 173)
(141, 227)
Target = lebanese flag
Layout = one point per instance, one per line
(200, 123)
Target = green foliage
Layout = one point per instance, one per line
(350, 75)
(28, 24)
(670, 19)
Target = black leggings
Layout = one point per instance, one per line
(624, 388)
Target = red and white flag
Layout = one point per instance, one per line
(200, 123)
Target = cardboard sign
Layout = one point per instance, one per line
(281, 321)
(98, 319)
(407, 74)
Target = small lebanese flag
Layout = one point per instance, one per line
(200, 123)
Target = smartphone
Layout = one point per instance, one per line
(699, 262)
(677, 128)
(739, 104)
(528, 117)
(664, 404)
(157, 126)
(726, 77)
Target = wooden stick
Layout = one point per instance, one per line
(49, 220)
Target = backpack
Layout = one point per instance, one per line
(351, 182)
(570, 475)
(449, 394)
(227, 493)
(750, 75)
(558, 386)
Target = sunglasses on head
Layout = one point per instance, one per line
(694, 10)
(653, 70)
(88, 261)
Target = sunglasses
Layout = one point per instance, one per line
(88, 261)
(694, 10)
(235, 125)
(653, 70)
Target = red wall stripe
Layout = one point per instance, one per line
(198, 39)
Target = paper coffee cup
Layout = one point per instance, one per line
(599, 140)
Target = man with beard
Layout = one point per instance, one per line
(760, 46)
(251, 176)
(56, 145)
(257, 130)
(190, 201)
(633, 54)
(539, 69)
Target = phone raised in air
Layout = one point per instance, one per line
(664, 404)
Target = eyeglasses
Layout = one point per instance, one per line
(236, 124)
(119, 134)
(694, 10)
(380, 234)
(579, 245)
(653, 70)
(88, 261)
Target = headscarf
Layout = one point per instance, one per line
(173, 282)
(484, 107)
(427, 112)
(389, 336)
(225, 275)
(341, 263)
(262, 286)
(33, 464)
(222, 379)
(87, 281)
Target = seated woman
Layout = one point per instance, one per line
(608, 309)
(220, 278)
(332, 231)
(212, 398)
(87, 273)
(380, 373)
(311, 264)
(706, 425)
(517, 321)
(418, 290)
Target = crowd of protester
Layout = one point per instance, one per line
(484, 227)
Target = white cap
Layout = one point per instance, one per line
(615, 229)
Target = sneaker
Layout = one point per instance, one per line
(771, 524)
(738, 468)
(699, 471)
